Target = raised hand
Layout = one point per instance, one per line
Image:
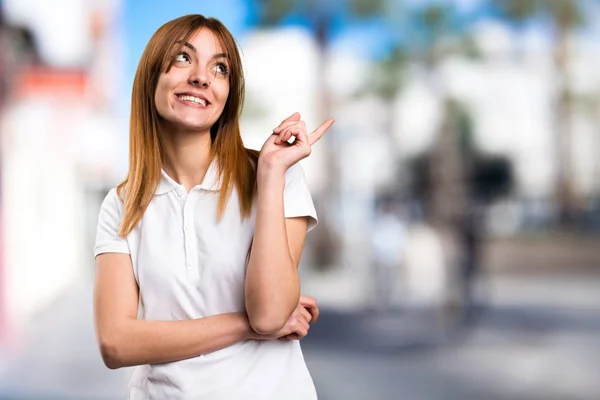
(277, 152)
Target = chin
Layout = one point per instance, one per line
(193, 128)
(193, 125)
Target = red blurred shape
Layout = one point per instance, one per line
(57, 83)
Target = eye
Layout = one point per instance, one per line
(221, 68)
(182, 57)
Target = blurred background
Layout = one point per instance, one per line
(458, 251)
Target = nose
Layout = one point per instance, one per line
(199, 79)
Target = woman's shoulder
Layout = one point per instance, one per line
(114, 198)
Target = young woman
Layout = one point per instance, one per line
(204, 235)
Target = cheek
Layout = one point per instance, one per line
(223, 94)
(161, 97)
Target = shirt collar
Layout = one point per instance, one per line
(212, 181)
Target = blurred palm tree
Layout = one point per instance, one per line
(564, 16)
(428, 34)
(321, 15)
(437, 37)
(446, 198)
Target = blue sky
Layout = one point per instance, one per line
(142, 17)
(373, 36)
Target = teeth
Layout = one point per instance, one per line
(193, 98)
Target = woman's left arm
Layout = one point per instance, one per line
(272, 282)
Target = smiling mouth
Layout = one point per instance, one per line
(192, 100)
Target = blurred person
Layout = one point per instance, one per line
(204, 234)
(471, 238)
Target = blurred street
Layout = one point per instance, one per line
(547, 347)
(458, 192)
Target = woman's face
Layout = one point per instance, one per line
(192, 95)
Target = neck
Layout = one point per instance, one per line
(187, 156)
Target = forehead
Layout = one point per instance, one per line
(206, 42)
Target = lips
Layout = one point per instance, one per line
(193, 100)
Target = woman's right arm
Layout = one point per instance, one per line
(125, 340)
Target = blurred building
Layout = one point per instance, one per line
(59, 133)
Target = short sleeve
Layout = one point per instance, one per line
(297, 201)
(109, 220)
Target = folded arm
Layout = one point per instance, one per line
(125, 340)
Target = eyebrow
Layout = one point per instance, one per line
(191, 47)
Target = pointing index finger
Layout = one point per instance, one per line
(318, 133)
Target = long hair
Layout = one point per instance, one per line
(236, 164)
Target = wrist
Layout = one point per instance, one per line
(267, 166)
(271, 175)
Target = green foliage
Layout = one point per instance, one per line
(367, 8)
(435, 18)
(391, 74)
(518, 10)
(273, 11)
(565, 14)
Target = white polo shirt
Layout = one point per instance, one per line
(188, 265)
